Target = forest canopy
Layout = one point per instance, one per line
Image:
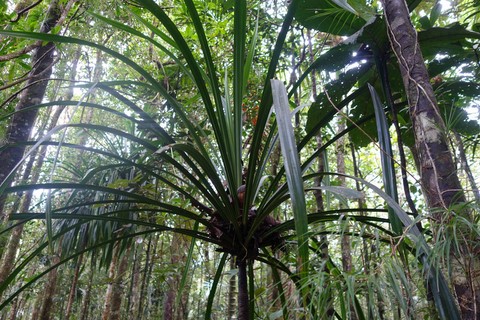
(227, 159)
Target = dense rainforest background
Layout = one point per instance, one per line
(232, 159)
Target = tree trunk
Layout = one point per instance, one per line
(108, 294)
(437, 170)
(84, 311)
(439, 179)
(144, 279)
(466, 167)
(73, 288)
(117, 292)
(345, 241)
(232, 291)
(134, 296)
(22, 122)
(50, 288)
(243, 302)
(176, 301)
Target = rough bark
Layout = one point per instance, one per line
(22, 122)
(437, 169)
(439, 180)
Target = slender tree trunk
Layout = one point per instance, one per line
(232, 291)
(117, 292)
(73, 288)
(466, 166)
(107, 307)
(176, 301)
(439, 179)
(84, 311)
(22, 122)
(243, 302)
(50, 287)
(319, 201)
(345, 241)
(144, 279)
(14, 309)
(274, 297)
(37, 306)
(132, 308)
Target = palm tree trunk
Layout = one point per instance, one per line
(439, 179)
(243, 302)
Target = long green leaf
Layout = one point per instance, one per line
(386, 155)
(213, 289)
(293, 170)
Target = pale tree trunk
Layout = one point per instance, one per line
(175, 306)
(146, 275)
(22, 122)
(84, 310)
(232, 292)
(439, 179)
(111, 275)
(73, 289)
(466, 167)
(134, 296)
(50, 287)
(319, 201)
(117, 292)
(345, 241)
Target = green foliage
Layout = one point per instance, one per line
(336, 17)
(170, 145)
